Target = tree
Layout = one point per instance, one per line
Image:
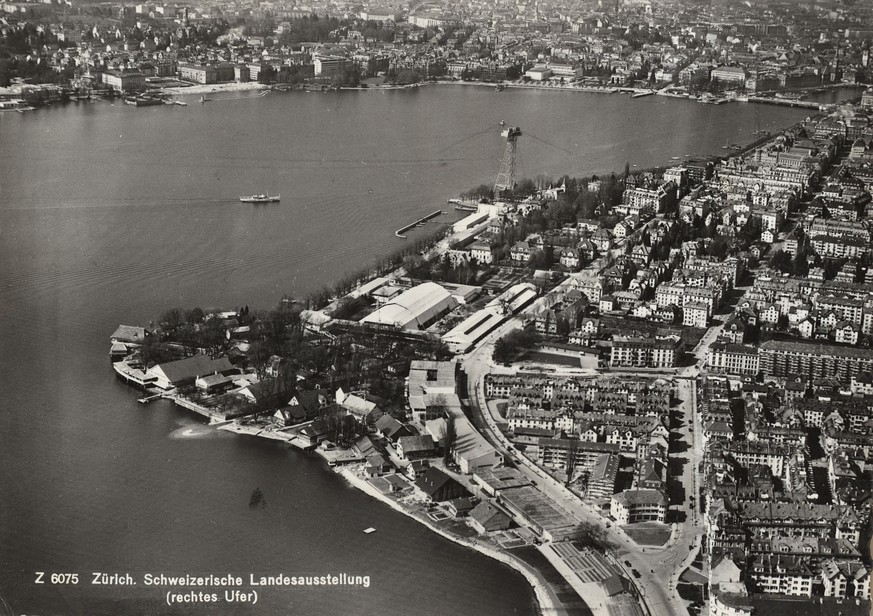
(506, 347)
(572, 461)
(781, 261)
(152, 352)
(592, 535)
(503, 352)
(449, 440)
(267, 74)
(408, 76)
(195, 315)
(537, 260)
(718, 248)
(171, 320)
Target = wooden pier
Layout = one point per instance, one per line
(420, 221)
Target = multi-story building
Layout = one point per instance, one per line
(554, 452)
(839, 248)
(695, 314)
(639, 200)
(636, 352)
(601, 480)
(681, 293)
(327, 66)
(730, 358)
(814, 361)
(483, 252)
(733, 75)
(747, 453)
(782, 575)
(845, 578)
(638, 506)
(124, 80)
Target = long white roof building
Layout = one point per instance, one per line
(417, 308)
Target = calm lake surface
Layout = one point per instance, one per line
(112, 214)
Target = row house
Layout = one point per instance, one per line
(814, 361)
(531, 418)
(749, 453)
(839, 248)
(837, 228)
(801, 519)
(782, 575)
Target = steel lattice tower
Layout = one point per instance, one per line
(506, 174)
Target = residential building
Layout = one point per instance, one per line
(637, 352)
(815, 361)
(731, 358)
(633, 506)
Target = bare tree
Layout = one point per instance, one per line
(450, 438)
(572, 461)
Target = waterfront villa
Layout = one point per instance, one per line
(186, 371)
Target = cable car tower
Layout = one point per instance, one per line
(506, 174)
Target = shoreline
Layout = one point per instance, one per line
(235, 86)
(544, 596)
(568, 87)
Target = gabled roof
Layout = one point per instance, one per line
(192, 367)
(415, 444)
(433, 481)
(129, 333)
(485, 512)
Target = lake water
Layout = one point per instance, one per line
(111, 214)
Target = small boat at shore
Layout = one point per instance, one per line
(259, 199)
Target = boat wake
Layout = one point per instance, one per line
(195, 430)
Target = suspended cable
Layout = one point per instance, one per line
(552, 145)
(465, 139)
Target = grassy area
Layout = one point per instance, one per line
(648, 533)
(690, 592)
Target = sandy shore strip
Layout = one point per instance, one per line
(275, 435)
(214, 87)
(545, 597)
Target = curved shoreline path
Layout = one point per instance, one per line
(546, 599)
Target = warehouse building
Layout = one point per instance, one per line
(417, 308)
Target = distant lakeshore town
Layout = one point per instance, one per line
(654, 386)
(770, 51)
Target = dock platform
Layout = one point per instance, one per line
(399, 233)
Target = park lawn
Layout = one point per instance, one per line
(648, 533)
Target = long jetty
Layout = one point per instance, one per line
(420, 221)
(788, 102)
